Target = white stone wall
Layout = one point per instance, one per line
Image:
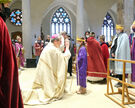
(96, 11)
(38, 7)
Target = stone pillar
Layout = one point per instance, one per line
(125, 14)
(79, 18)
(120, 9)
(26, 28)
(128, 14)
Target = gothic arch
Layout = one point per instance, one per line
(60, 4)
(113, 15)
(68, 7)
(108, 26)
(60, 21)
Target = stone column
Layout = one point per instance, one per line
(26, 28)
(120, 9)
(125, 14)
(128, 14)
(79, 18)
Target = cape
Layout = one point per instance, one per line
(122, 52)
(132, 44)
(105, 53)
(96, 66)
(10, 95)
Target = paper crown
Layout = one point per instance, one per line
(79, 39)
(119, 27)
(5, 1)
(54, 36)
(133, 23)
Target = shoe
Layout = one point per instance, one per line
(104, 81)
(118, 85)
(81, 92)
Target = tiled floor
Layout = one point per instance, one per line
(94, 98)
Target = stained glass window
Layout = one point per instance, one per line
(60, 22)
(16, 17)
(108, 27)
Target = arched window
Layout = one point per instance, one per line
(60, 22)
(108, 27)
(16, 17)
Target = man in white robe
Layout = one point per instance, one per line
(50, 80)
(122, 52)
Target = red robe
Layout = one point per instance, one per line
(96, 67)
(105, 53)
(10, 95)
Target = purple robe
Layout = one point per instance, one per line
(82, 67)
(19, 53)
(132, 44)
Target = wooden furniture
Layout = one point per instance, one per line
(124, 90)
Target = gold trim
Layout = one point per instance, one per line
(97, 72)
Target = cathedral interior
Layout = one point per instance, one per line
(32, 18)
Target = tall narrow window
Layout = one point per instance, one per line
(108, 27)
(60, 22)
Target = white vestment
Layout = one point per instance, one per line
(123, 53)
(49, 83)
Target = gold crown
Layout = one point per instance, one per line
(119, 27)
(79, 39)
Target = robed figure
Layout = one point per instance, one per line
(105, 53)
(132, 46)
(10, 94)
(96, 69)
(19, 50)
(122, 52)
(81, 66)
(51, 73)
(104, 49)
